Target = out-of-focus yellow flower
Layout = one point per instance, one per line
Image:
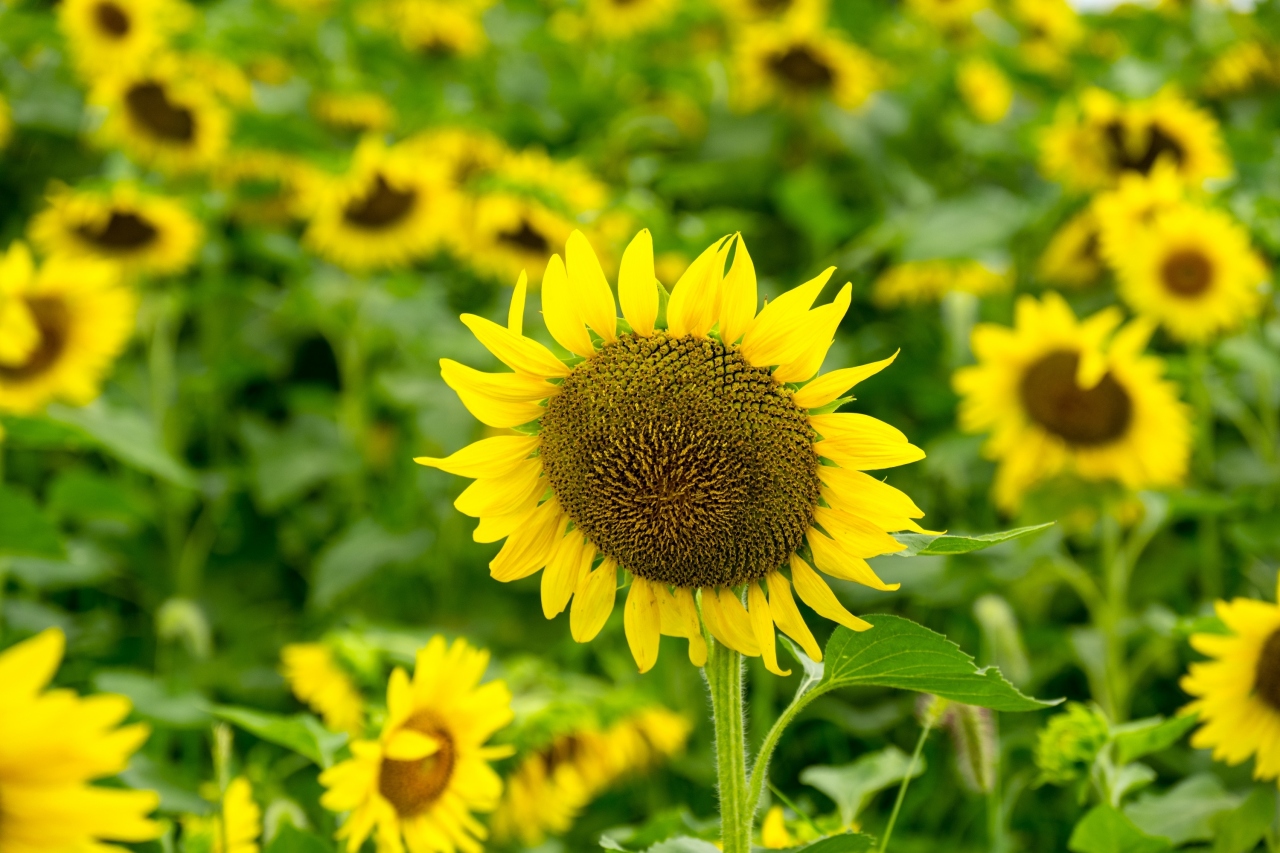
(568, 182)
(616, 19)
(54, 744)
(755, 11)
(82, 319)
(1128, 210)
(139, 231)
(951, 15)
(916, 282)
(1051, 31)
(224, 78)
(986, 90)
(773, 831)
(511, 234)
(235, 829)
(1073, 257)
(794, 62)
(269, 186)
(271, 70)
(315, 677)
(440, 28)
(6, 123)
(1243, 66)
(117, 36)
(364, 111)
(468, 156)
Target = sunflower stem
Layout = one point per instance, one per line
(724, 678)
(929, 720)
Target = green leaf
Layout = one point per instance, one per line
(358, 553)
(850, 786)
(926, 545)
(301, 733)
(153, 700)
(897, 652)
(1106, 830)
(849, 842)
(1185, 812)
(25, 531)
(43, 434)
(127, 435)
(964, 226)
(1143, 737)
(1240, 830)
(290, 839)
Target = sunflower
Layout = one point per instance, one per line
(1126, 212)
(77, 318)
(429, 771)
(1059, 395)
(683, 454)
(1244, 66)
(511, 233)
(755, 11)
(916, 282)
(1194, 272)
(1073, 257)
(141, 232)
(441, 28)
(6, 123)
(468, 155)
(1051, 29)
(235, 829)
(794, 61)
(569, 183)
(388, 210)
(949, 15)
(364, 111)
(56, 742)
(985, 89)
(113, 36)
(1092, 146)
(164, 116)
(617, 19)
(315, 678)
(1237, 692)
(267, 186)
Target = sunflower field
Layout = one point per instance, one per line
(659, 426)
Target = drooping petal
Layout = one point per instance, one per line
(531, 545)
(776, 336)
(498, 387)
(502, 495)
(728, 622)
(515, 351)
(762, 627)
(739, 295)
(637, 285)
(515, 312)
(835, 561)
(488, 457)
(695, 300)
(815, 593)
(679, 616)
(593, 601)
(560, 311)
(494, 528)
(787, 616)
(832, 386)
(642, 621)
(590, 288)
(863, 495)
(821, 330)
(856, 535)
(862, 442)
(564, 570)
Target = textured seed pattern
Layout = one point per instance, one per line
(1084, 417)
(683, 462)
(1266, 678)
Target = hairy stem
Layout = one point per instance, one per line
(724, 677)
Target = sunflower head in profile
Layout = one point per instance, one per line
(919, 282)
(691, 449)
(1060, 395)
(138, 231)
(1073, 257)
(358, 111)
(235, 828)
(111, 36)
(61, 327)
(388, 210)
(315, 676)
(164, 115)
(419, 783)
(618, 19)
(56, 743)
(1194, 272)
(797, 61)
(1237, 691)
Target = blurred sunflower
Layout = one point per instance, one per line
(441, 28)
(54, 743)
(1073, 257)
(615, 19)
(1127, 211)
(389, 209)
(77, 319)
(754, 11)
(568, 182)
(916, 282)
(6, 123)
(1060, 395)
(1237, 691)
(985, 89)
(164, 116)
(362, 111)
(680, 454)
(794, 61)
(1051, 29)
(511, 233)
(419, 783)
(948, 14)
(316, 678)
(1244, 66)
(1194, 272)
(267, 186)
(235, 829)
(140, 232)
(773, 830)
(116, 36)
(467, 155)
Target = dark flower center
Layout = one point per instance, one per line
(112, 20)
(382, 207)
(800, 69)
(1187, 273)
(413, 786)
(1159, 144)
(149, 105)
(680, 460)
(1086, 417)
(124, 232)
(53, 320)
(1266, 676)
(526, 238)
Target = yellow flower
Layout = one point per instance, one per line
(1237, 691)
(511, 233)
(1073, 257)
(987, 92)
(419, 783)
(1051, 30)
(680, 454)
(236, 829)
(390, 209)
(1243, 66)
(354, 111)
(616, 19)
(916, 282)
(1194, 272)
(6, 123)
(948, 14)
(1126, 212)
(317, 679)
(754, 11)
(1060, 395)
(82, 319)
(440, 28)
(467, 155)
(54, 743)
(773, 831)
(1091, 147)
(567, 182)
(138, 231)
(164, 116)
(268, 185)
(794, 61)
(115, 36)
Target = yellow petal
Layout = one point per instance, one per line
(679, 618)
(856, 535)
(787, 616)
(502, 495)
(762, 627)
(515, 313)
(515, 351)
(862, 442)
(821, 332)
(815, 593)
(776, 335)
(27, 667)
(728, 622)
(832, 386)
(835, 561)
(638, 285)
(864, 495)
(642, 621)
(560, 311)
(488, 457)
(410, 745)
(739, 295)
(493, 528)
(564, 570)
(593, 601)
(531, 545)
(694, 306)
(590, 288)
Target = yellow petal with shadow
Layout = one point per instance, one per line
(502, 495)
(642, 621)
(590, 288)
(788, 617)
(638, 285)
(561, 313)
(728, 622)
(762, 627)
(531, 545)
(694, 307)
(563, 572)
(835, 561)
(488, 457)
(814, 592)
(832, 386)
(821, 333)
(738, 295)
(776, 336)
(521, 354)
(856, 535)
(593, 601)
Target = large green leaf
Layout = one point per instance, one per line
(850, 786)
(1240, 830)
(850, 842)
(301, 733)
(1107, 830)
(358, 553)
(928, 545)
(25, 531)
(290, 839)
(1185, 812)
(127, 435)
(1143, 737)
(897, 652)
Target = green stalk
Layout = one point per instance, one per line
(906, 782)
(724, 678)
(1116, 585)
